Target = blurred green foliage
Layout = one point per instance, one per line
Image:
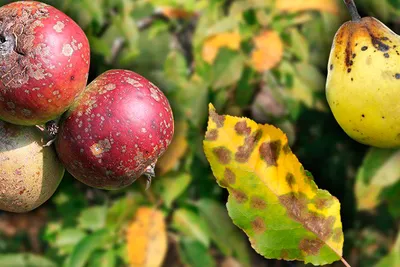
(83, 226)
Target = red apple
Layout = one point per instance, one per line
(117, 128)
(44, 62)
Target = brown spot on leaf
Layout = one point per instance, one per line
(337, 235)
(223, 154)
(290, 179)
(242, 129)
(250, 142)
(286, 148)
(258, 203)
(230, 176)
(218, 119)
(296, 206)
(239, 196)
(311, 246)
(270, 151)
(258, 225)
(212, 135)
(323, 203)
(284, 254)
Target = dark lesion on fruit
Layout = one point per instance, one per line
(377, 41)
(397, 76)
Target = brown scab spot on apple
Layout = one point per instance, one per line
(218, 119)
(101, 147)
(311, 246)
(223, 154)
(270, 151)
(258, 203)
(212, 135)
(229, 176)
(239, 196)
(241, 128)
(250, 142)
(258, 225)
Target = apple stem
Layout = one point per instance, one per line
(351, 6)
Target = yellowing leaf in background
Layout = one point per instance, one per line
(304, 5)
(212, 44)
(147, 238)
(380, 170)
(271, 197)
(268, 51)
(176, 150)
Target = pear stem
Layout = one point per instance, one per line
(351, 6)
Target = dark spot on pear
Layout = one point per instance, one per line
(348, 70)
(386, 55)
(331, 67)
(364, 48)
(397, 76)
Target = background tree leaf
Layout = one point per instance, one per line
(380, 170)
(147, 238)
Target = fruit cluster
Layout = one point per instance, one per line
(109, 133)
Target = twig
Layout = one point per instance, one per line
(345, 262)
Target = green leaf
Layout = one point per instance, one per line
(222, 231)
(271, 197)
(93, 218)
(104, 259)
(84, 249)
(122, 210)
(175, 67)
(311, 76)
(171, 186)
(191, 225)
(67, 238)
(299, 45)
(380, 170)
(195, 254)
(25, 260)
(393, 259)
(228, 68)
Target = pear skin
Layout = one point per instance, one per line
(363, 83)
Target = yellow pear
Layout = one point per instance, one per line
(363, 83)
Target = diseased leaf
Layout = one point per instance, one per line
(268, 51)
(301, 5)
(212, 44)
(271, 196)
(147, 238)
(380, 170)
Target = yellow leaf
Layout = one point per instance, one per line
(268, 51)
(304, 5)
(147, 238)
(176, 149)
(212, 44)
(271, 197)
